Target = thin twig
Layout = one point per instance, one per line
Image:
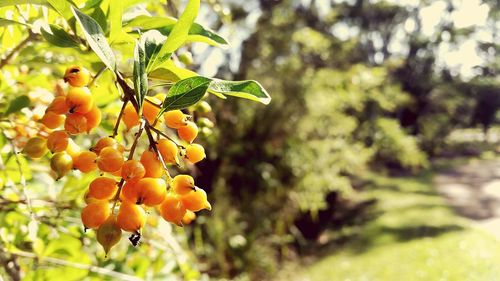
(17, 48)
(120, 115)
(164, 135)
(100, 270)
(97, 76)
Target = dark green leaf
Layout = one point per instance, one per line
(248, 89)
(17, 104)
(99, 16)
(96, 39)
(58, 37)
(153, 40)
(185, 93)
(140, 75)
(5, 22)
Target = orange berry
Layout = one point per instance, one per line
(132, 170)
(147, 191)
(103, 188)
(152, 165)
(175, 119)
(188, 217)
(188, 132)
(79, 100)
(109, 233)
(75, 124)
(183, 184)
(77, 76)
(195, 153)
(196, 200)
(168, 150)
(89, 199)
(130, 116)
(35, 147)
(131, 217)
(52, 120)
(57, 141)
(104, 142)
(85, 161)
(93, 118)
(61, 163)
(110, 160)
(58, 105)
(172, 210)
(149, 110)
(95, 214)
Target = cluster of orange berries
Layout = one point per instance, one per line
(130, 185)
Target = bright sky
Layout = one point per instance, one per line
(460, 59)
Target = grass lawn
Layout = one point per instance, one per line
(413, 236)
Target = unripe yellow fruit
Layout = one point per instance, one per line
(175, 119)
(61, 163)
(109, 233)
(35, 147)
(183, 184)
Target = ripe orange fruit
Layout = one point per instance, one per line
(130, 116)
(58, 105)
(61, 163)
(172, 210)
(57, 141)
(147, 191)
(131, 217)
(95, 214)
(104, 142)
(150, 111)
(75, 123)
(52, 120)
(152, 165)
(196, 200)
(175, 119)
(79, 100)
(102, 188)
(195, 153)
(110, 160)
(188, 132)
(183, 184)
(132, 170)
(77, 76)
(35, 147)
(93, 118)
(85, 161)
(168, 150)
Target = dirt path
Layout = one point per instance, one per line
(474, 191)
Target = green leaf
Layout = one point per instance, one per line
(170, 72)
(179, 33)
(115, 19)
(58, 37)
(63, 7)
(4, 3)
(140, 75)
(99, 16)
(185, 93)
(197, 33)
(248, 89)
(17, 104)
(5, 22)
(153, 40)
(96, 39)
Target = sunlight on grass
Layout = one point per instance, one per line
(413, 236)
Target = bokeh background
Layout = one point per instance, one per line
(375, 160)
